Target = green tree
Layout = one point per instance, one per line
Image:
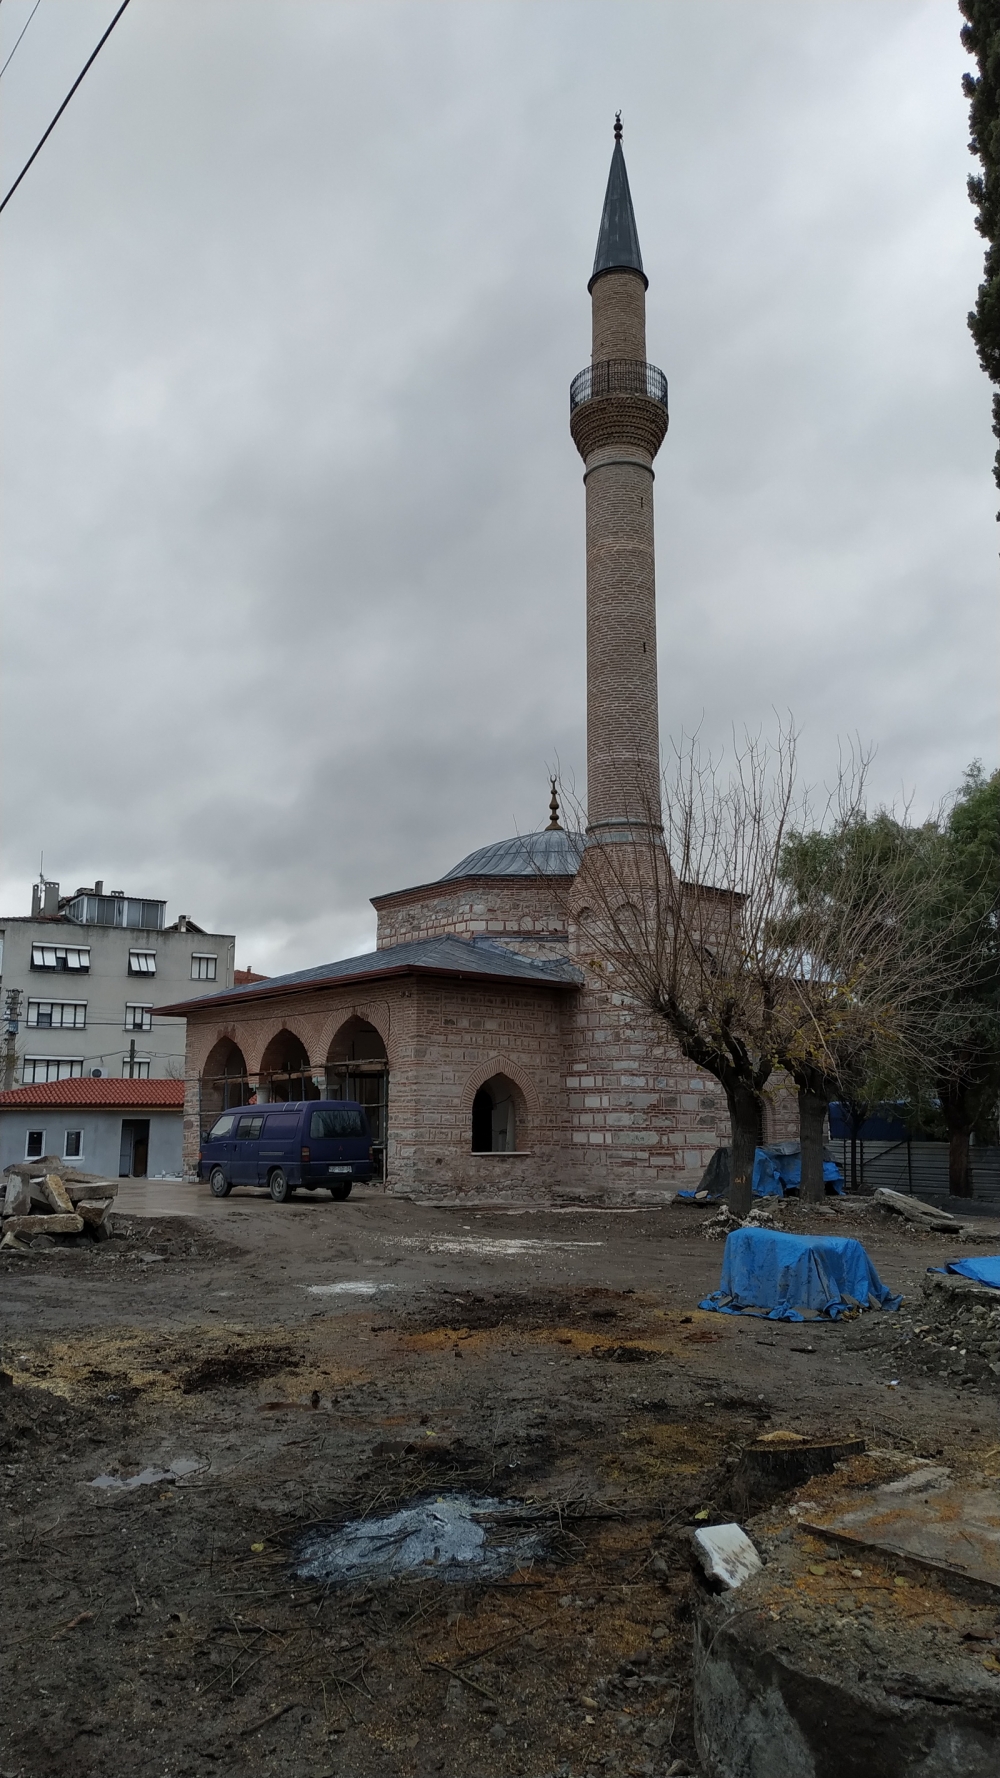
(981, 37)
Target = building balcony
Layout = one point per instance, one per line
(618, 401)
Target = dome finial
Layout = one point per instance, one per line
(618, 126)
(554, 823)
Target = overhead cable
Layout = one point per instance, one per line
(31, 15)
(64, 104)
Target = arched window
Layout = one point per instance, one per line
(494, 1116)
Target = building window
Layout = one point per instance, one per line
(203, 967)
(60, 957)
(142, 963)
(36, 1070)
(138, 1018)
(73, 1145)
(34, 1147)
(57, 1015)
(135, 1067)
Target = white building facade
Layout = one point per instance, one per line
(80, 977)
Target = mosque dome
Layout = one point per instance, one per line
(551, 853)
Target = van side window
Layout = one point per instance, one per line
(222, 1127)
(249, 1127)
(336, 1120)
(281, 1126)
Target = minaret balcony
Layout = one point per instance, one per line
(619, 401)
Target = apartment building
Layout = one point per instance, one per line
(80, 977)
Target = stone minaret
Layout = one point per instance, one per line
(618, 418)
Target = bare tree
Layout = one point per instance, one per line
(680, 912)
(720, 922)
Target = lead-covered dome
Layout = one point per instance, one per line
(551, 853)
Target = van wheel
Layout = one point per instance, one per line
(279, 1187)
(218, 1184)
(340, 1192)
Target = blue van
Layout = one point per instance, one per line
(282, 1145)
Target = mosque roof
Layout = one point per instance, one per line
(464, 958)
(551, 853)
(618, 238)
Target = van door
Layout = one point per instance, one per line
(338, 1137)
(245, 1148)
(217, 1147)
(279, 1144)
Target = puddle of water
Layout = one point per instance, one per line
(451, 1538)
(490, 1247)
(179, 1468)
(349, 1287)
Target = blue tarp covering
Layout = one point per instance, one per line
(985, 1270)
(774, 1173)
(796, 1277)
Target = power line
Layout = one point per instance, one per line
(64, 104)
(10, 58)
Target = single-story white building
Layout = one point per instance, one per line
(120, 1129)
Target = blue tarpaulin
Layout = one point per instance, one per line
(773, 1174)
(985, 1270)
(796, 1277)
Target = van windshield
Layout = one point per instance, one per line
(336, 1120)
(222, 1127)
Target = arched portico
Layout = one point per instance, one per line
(223, 1079)
(285, 1069)
(357, 1067)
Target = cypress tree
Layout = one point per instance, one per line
(981, 37)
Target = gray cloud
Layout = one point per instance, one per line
(294, 526)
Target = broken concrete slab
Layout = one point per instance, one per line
(953, 1532)
(56, 1195)
(53, 1224)
(94, 1188)
(94, 1210)
(17, 1198)
(725, 1555)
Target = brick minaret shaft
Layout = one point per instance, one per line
(618, 419)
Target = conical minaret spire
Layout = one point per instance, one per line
(618, 240)
(618, 418)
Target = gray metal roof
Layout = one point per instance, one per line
(551, 853)
(480, 959)
(618, 239)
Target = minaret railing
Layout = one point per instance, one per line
(618, 376)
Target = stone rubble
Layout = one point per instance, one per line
(49, 1202)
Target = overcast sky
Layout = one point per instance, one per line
(294, 545)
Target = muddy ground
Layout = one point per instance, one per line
(323, 1362)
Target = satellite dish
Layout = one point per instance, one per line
(95, 1073)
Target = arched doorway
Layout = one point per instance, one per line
(494, 1116)
(357, 1067)
(223, 1080)
(285, 1070)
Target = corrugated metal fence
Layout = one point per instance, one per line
(920, 1168)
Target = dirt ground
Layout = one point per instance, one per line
(323, 1362)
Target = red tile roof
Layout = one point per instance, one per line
(104, 1094)
(241, 977)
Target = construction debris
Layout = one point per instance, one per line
(926, 1216)
(47, 1203)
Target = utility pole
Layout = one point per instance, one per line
(12, 1017)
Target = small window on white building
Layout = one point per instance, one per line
(73, 1145)
(34, 1146)
(138, 1018)
(142, 963)
(204, 968)
(57, 1015)
(37, 1069)
(135, 1067)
